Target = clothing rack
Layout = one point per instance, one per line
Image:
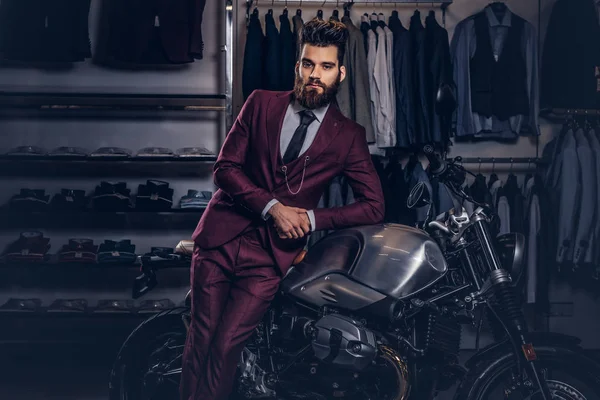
(443, 4)
(50, 103)
(575, 111)
(501, 160)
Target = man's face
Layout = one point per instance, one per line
(318, 76)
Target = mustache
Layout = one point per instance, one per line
(315, 82)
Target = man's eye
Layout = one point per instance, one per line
(306, 65)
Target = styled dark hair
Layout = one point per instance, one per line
(321, 33)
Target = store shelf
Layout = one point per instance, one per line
(47, 278)
(108, 105)
(105, 166)
(169, 220)
(61, 101)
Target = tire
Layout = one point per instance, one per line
(571, 374)
(128, 377)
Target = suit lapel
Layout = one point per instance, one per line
(276, 113)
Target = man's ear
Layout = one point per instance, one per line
(342, 73)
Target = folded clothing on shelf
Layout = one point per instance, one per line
(30, 200)
(110, 196)
(27, 151)
(194, 152)
(66, 151)
(154, 306)
(78, 251)
(185, 248)
(115, 306)
(155, 152)
(70, 200)
(154, 196)
(68, 305)
(195, 199)
(31, 247)
(112, 252)
(116, 152)
(21, 305)
(166, 256)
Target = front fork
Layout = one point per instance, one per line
(505, 305)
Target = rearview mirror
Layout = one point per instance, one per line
(419, 196)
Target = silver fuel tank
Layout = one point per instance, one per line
(355, 267)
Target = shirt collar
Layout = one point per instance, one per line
(319, 112)
(493, 20)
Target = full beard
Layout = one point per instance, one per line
(310, 98)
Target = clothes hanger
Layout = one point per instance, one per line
(285, 9)
(498, 6)
(299, 10)
(320, 12)
(347, 10)
(335, 15)
(270, 12)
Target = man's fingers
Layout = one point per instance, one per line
(299, 232)
(304, 226)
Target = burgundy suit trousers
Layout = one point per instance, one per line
(232, 287)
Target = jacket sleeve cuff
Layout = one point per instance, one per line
(265, 211)
(311, 218)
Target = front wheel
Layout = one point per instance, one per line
(148, 366)
(570, 375)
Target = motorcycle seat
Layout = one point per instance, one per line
(185, 247)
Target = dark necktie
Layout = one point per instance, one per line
(293, 149)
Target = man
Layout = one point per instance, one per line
(276, 162)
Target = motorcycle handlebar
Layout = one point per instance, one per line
(436, 166)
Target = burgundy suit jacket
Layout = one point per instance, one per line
(248, 174)
(132, 30)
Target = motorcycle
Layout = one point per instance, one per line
(376, 312)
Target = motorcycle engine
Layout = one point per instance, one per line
(343, 342)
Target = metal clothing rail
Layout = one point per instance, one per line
(575, 111)
(345, 4)
(337, 2)
(500, 160)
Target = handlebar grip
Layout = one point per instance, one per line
(436, 165)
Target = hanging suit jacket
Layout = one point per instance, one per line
(434, 70)
(403, 83)
(249, 174)
(588, 201)
(45, 30)
(252, 73)
(156, 31)
(354, 94)
(595, 239)
(272, 65)
(385, 134)
(463, 49)
(288, 53)
(569, 78)
(566, 182)
(416, 38)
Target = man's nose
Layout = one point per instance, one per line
(316, 73)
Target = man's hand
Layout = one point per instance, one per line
(291, 222)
